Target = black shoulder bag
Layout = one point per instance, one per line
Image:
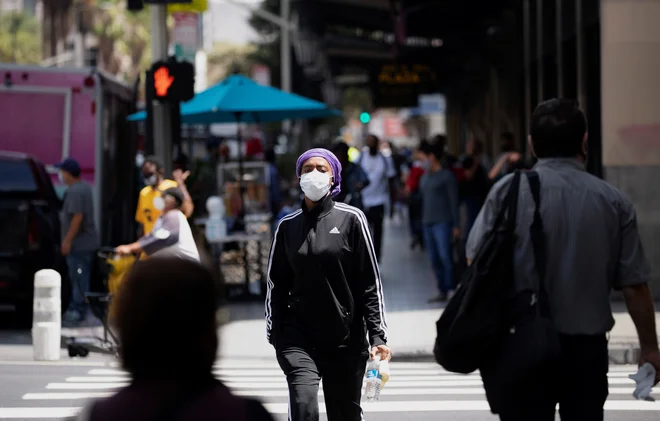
(472, 325)
(531, 345)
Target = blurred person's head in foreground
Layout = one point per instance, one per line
(558, 130)
(166, 320)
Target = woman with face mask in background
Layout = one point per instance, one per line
(150, 203)
(325, 312)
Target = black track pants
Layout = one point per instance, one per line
(342, 372)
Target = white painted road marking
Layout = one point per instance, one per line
(84, 386)
(383, 406)
(436, 389)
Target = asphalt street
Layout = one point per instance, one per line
(417, 391)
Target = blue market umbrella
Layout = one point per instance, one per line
(240, 99)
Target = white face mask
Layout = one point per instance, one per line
(60, 177)
(315, 185)
(159, 203)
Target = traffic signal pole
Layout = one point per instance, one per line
(162, 112)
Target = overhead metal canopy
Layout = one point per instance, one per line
(423, 18)
(456, 38)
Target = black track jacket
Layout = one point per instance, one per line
(323, 275)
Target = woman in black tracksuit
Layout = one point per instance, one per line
(325, 312)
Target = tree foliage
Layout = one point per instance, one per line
(226, 58)
(20, 39)
(124, 39)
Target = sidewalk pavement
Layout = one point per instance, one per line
(407, 283)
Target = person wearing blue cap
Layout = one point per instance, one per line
(325, 312)
(79, 236)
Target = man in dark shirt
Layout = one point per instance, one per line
(79, 237)
(474, 187)
(440, 219)
(592, 246)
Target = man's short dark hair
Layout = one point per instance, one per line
(176, 193)
(424, 146)
(156, 161)
(437, 149)
(558, 128)
(166, 319)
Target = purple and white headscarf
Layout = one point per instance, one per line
(332, 160)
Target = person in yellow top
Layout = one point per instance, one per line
(150, 203)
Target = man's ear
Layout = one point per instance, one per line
(584, 143)
(531, 146)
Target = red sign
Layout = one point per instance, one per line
(394, 127)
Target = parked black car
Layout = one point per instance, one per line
(29, 231)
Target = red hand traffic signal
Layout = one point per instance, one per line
(173, 81)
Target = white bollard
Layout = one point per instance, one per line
(47, 316)
(216, 227)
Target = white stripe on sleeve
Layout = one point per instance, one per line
(366, 232)
(269, 281)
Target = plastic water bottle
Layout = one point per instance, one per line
(374, 380)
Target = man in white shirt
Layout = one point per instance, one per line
(381, 189)
(170, 233)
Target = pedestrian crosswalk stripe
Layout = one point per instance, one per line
(436, 390)
(433, 406)
(69, 396)
(85, 386)
(45, 413)
(396, 371)
(282, 393)
(421, 380)
(383, 406)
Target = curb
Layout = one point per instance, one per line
(621, 353)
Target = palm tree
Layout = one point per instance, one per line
(20, 41)
(123, 38)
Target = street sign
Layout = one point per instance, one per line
(185, 35)
(194, 6)
(432, 103)
(261, 74)
(399, 85)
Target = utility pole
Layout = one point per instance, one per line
(162, 112)
(285, 55)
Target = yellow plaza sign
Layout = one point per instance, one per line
(197, 6)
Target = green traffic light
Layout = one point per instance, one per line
(365, 118)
